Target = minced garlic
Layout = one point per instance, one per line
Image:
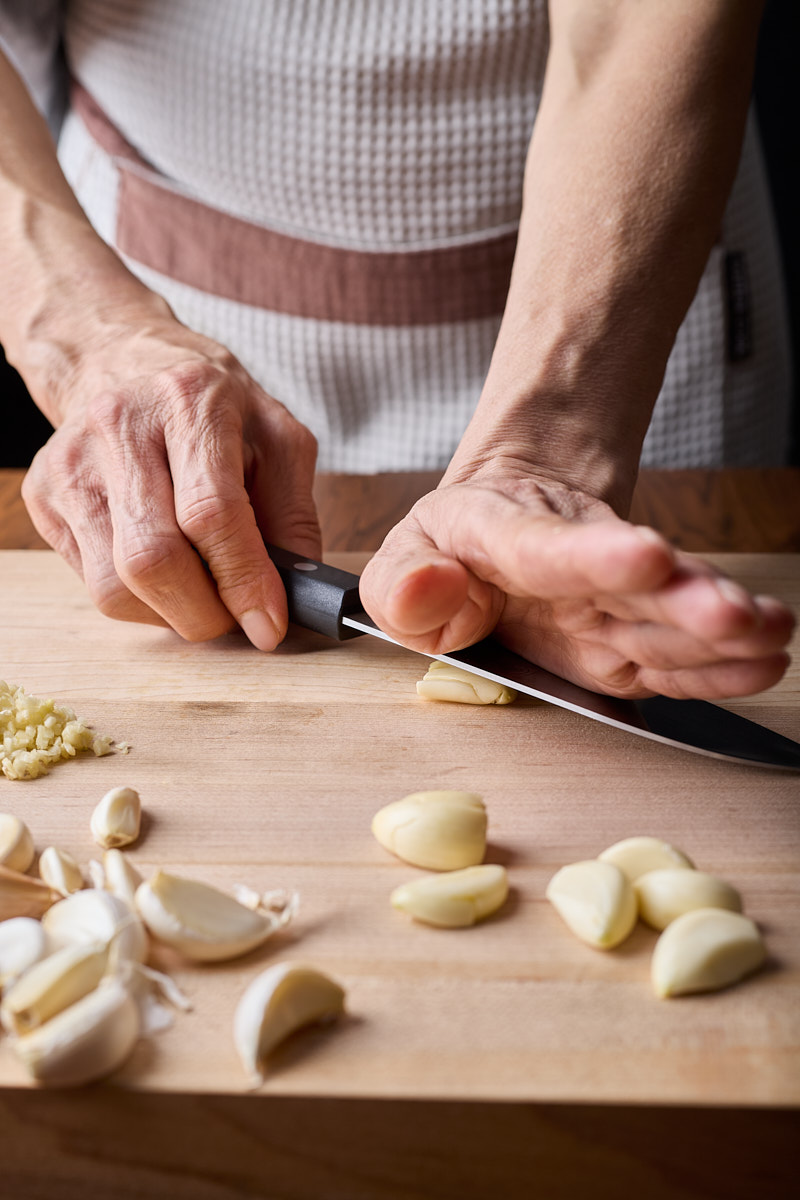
(36, 733)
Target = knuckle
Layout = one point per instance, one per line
(147, 563)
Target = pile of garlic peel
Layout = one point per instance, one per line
(35, 734)
(705, 942)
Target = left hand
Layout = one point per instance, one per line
(562, 580)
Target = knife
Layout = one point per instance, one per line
(326, 599)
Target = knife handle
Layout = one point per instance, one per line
(318, 595)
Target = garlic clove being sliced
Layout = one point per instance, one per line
(121, 877)
(60, 870)
(636, 855)
(23, 896)
(705, 950)
(204, 923)
(87, 1041)
(16, 843)
(596, 901)
(666, 894)
(116, 819)
(52, 985)
(97, 916)
(440, 830)
(454, 899)
(279, 1001)
(23, 942)
(444, 681)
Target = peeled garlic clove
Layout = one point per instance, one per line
(201, 921)
(116, 819)
(23, 942)
(443, 681)
(16, 843)
(22, 896)
(278, 1002)
(705, 950)
(636, 856)
(666, 894)
(96, 916)
(456, 898)
(86, 1041)
(52, 985)
(440, 830)
(60, 870)
(121, 877)
(595, 900)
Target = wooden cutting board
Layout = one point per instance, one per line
(267, 770)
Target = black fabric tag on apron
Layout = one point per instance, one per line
(739, 307)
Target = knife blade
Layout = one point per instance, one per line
(326, 600)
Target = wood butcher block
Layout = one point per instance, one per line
(267, 770)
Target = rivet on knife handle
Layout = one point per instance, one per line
(318, 595)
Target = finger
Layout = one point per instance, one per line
(665, 648)
(719, 681)
(280, 481)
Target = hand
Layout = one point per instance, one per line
(560, 579)
(170, 465)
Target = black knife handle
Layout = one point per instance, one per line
(318, 595)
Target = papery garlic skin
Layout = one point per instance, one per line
(454, 899)
(596, 901)
(439, 830)
(279, 1001)
(96, 916)
(17, 850)
(666, 894)
(87, 1041)
(52, 985)
(117, 818)
(23, 896)
(636, 856)
(705, 950)
(23, 942)
(60, 870)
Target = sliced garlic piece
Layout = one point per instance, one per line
(203, 922)
(116, 819)
(16, 843)
(443, 681)
(60, 870)
(456, 898)
(441, 830)
(52, 985)
(23, 942)
(663, 895)
(705, 950)
(22, 896)
(636, 855)
(96, 916)
(595, 900)
(278, 1002)
(121, 877)
(86, 1041)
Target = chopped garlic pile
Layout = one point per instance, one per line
(37, 733)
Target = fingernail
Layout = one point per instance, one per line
(734, 593)
(260, 629)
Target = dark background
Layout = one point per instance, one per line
(776, 97)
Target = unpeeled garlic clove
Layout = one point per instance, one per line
(454, 899)
(596, 901)
(23, 942)
(120, 876)
(52, 985)
(636, 856)
(116, 819)
(279, 1001)
(444, 681)
(705, 950)
(16, 843)
(59, 869)
(440, 830)
(97, 916)
(86, 1041)
(204, 923)
(666, 894)
(22, 896)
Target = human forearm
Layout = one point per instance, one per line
(633, 155)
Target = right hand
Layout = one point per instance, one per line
(169, 471)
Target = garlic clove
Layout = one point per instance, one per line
(279, 1001)
(87, 1041)
(60, 870)
(666, 894)
(636, 855)
(121, 877)
(440, 830)
(23, 942)
(454, 899)
(204, 923)
(16, 843)
(22, 896)
(705, 950)
(52, 985)
(445, 681)
(116, 819)
(97, 916)
(596, 901)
